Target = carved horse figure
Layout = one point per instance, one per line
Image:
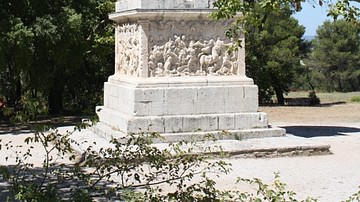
(206, 61)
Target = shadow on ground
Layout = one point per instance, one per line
(331, 104)
(63, 184)
(326, 104)
(55, 122)
(320, 131)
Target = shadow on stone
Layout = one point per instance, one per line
(320, 131)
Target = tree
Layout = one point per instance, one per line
(273, 52)
(230, 9)
(52, 48)
(336, 56)
(256, 13)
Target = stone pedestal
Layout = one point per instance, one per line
(173, 74)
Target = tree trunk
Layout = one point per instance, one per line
(279, 96)
(56, 99)
(340, 86)
(309, 79)
(14, 89)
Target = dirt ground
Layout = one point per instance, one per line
(328, 178)
(337, 114)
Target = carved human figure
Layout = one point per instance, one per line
(205, 57)
(226, 67)
(171, 61)
(168, 47)
(207, 47)
(217, 52)
(193, 61)
(157, 54)
(152, 68)
(159, 70)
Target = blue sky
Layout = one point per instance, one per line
(312, 16)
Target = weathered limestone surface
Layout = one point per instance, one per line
(173, 73)
(123, 5)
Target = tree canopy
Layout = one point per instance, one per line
(59, 52)
(54, 46)
(277, 69)
(230, 9)
(273, 53)
(336, 56)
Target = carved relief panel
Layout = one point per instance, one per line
(190, 48)
(175, 48)
(127, 45)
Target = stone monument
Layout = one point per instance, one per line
(173, 75)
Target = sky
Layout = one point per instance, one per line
(311, 16)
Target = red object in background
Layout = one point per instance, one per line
(2, 103)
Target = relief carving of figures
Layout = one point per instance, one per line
(180, 56)
(128, 50)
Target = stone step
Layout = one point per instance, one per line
(286, 146)
(109, 133)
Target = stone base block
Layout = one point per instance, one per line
(183, 108)
(180, 96)
(182, 123)
(109, 133)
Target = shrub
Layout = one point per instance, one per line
(114, 172)
(28, 108)
(355, 99)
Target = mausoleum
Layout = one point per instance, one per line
(174, 75)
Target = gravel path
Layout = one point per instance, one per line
(328, 178)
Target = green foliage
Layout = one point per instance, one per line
(29, 192)
(336, 56)
(343, 8)
(28, 108)
(60, 51)
(273, 52)
(228, 9)
(265, 192)
(276, 70)
(112, 172)
(355, 99)
(354, 198)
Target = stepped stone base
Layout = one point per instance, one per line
(179, 108)
(182, 123)
(109, 133)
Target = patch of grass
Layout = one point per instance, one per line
(333, 97)
(355, 99)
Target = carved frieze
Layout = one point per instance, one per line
(174, 48)
(127, 49)
(180, 56)
(190, 48)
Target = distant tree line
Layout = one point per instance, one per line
(56, 54)
(334, 59)
(279, 60)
